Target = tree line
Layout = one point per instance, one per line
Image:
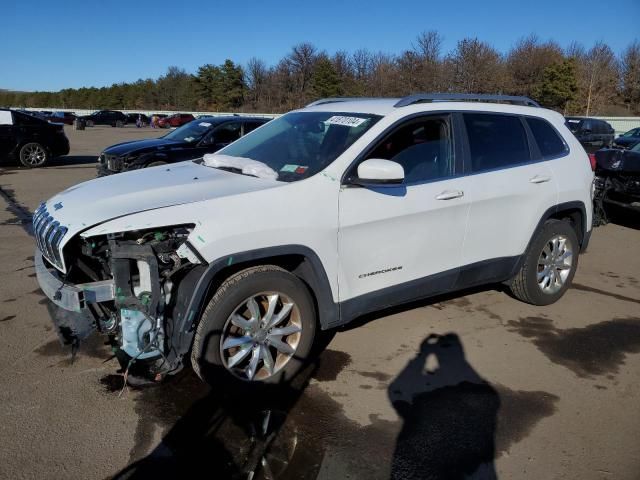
(573, 80)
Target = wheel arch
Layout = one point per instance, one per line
(575, 212)
(299, 260)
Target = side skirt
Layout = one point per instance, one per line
(480, 273)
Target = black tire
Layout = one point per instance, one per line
(157, 163)
(89, 123)
(119, 124)
(206, 352)
(524, 286)
(33, 155)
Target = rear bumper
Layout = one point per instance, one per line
(59, 145)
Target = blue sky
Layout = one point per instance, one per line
(52, 45)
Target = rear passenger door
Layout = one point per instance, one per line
(511, 186)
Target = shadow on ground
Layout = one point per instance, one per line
(9, 166)
(452, 424)
(623, 216)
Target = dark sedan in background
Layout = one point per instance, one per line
(30, 139)
(105, 117)
(592, 133)
(193, 140)
(628, 139)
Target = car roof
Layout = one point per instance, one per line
(387, 106)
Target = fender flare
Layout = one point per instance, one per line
(310, 270)
(549, 213)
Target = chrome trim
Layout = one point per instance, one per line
(48, 234)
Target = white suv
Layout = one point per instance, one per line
(344, 207)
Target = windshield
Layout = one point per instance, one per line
(631, 133)
(636, 148)
(189, 132)
(300, 144)
(574, 124)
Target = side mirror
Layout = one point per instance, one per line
(377, 172)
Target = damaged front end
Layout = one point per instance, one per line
(126, 286)
(617, 182)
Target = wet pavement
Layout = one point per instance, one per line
(475, 385)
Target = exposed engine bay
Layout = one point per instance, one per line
(146, 268)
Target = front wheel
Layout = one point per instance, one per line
(33, 155)
(259, 328)
(549, 265)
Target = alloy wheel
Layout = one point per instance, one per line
(33, 154)
(554, 264)
(260, 336)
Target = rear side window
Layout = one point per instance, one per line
(496, 141)
(548, 140)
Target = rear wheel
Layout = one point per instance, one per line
(549, 265)
(259, 328)
(33, 155)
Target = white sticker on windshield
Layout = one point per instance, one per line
(204, 124)
(346, 121)
(574, 121)
(188, 139)
(5, 117)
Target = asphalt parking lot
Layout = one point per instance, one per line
(463, 386)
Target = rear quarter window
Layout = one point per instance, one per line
(548, 139)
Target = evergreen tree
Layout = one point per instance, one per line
(559, 85)
(325, 81)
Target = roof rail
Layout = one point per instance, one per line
(322, 101)
(465, 97)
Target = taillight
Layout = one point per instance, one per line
(592, 159)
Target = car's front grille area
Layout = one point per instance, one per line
(114, 162)
(49, 234)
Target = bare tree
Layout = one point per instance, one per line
(475, 67)
(630, 76)
(428, 48)
(526, 62)
(301, 61)
(598, 73)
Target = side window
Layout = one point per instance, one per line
(250, 126)
(548, 140)
(496, 141)
(423, 148)
(227, 133)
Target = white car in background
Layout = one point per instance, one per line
(345, 207)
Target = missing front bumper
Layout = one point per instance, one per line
(73, 298)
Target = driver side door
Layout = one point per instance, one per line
(404, 242)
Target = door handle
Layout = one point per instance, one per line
(539, 179)
(450, 194)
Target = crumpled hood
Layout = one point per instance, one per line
(140, 146)
(91, 203)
